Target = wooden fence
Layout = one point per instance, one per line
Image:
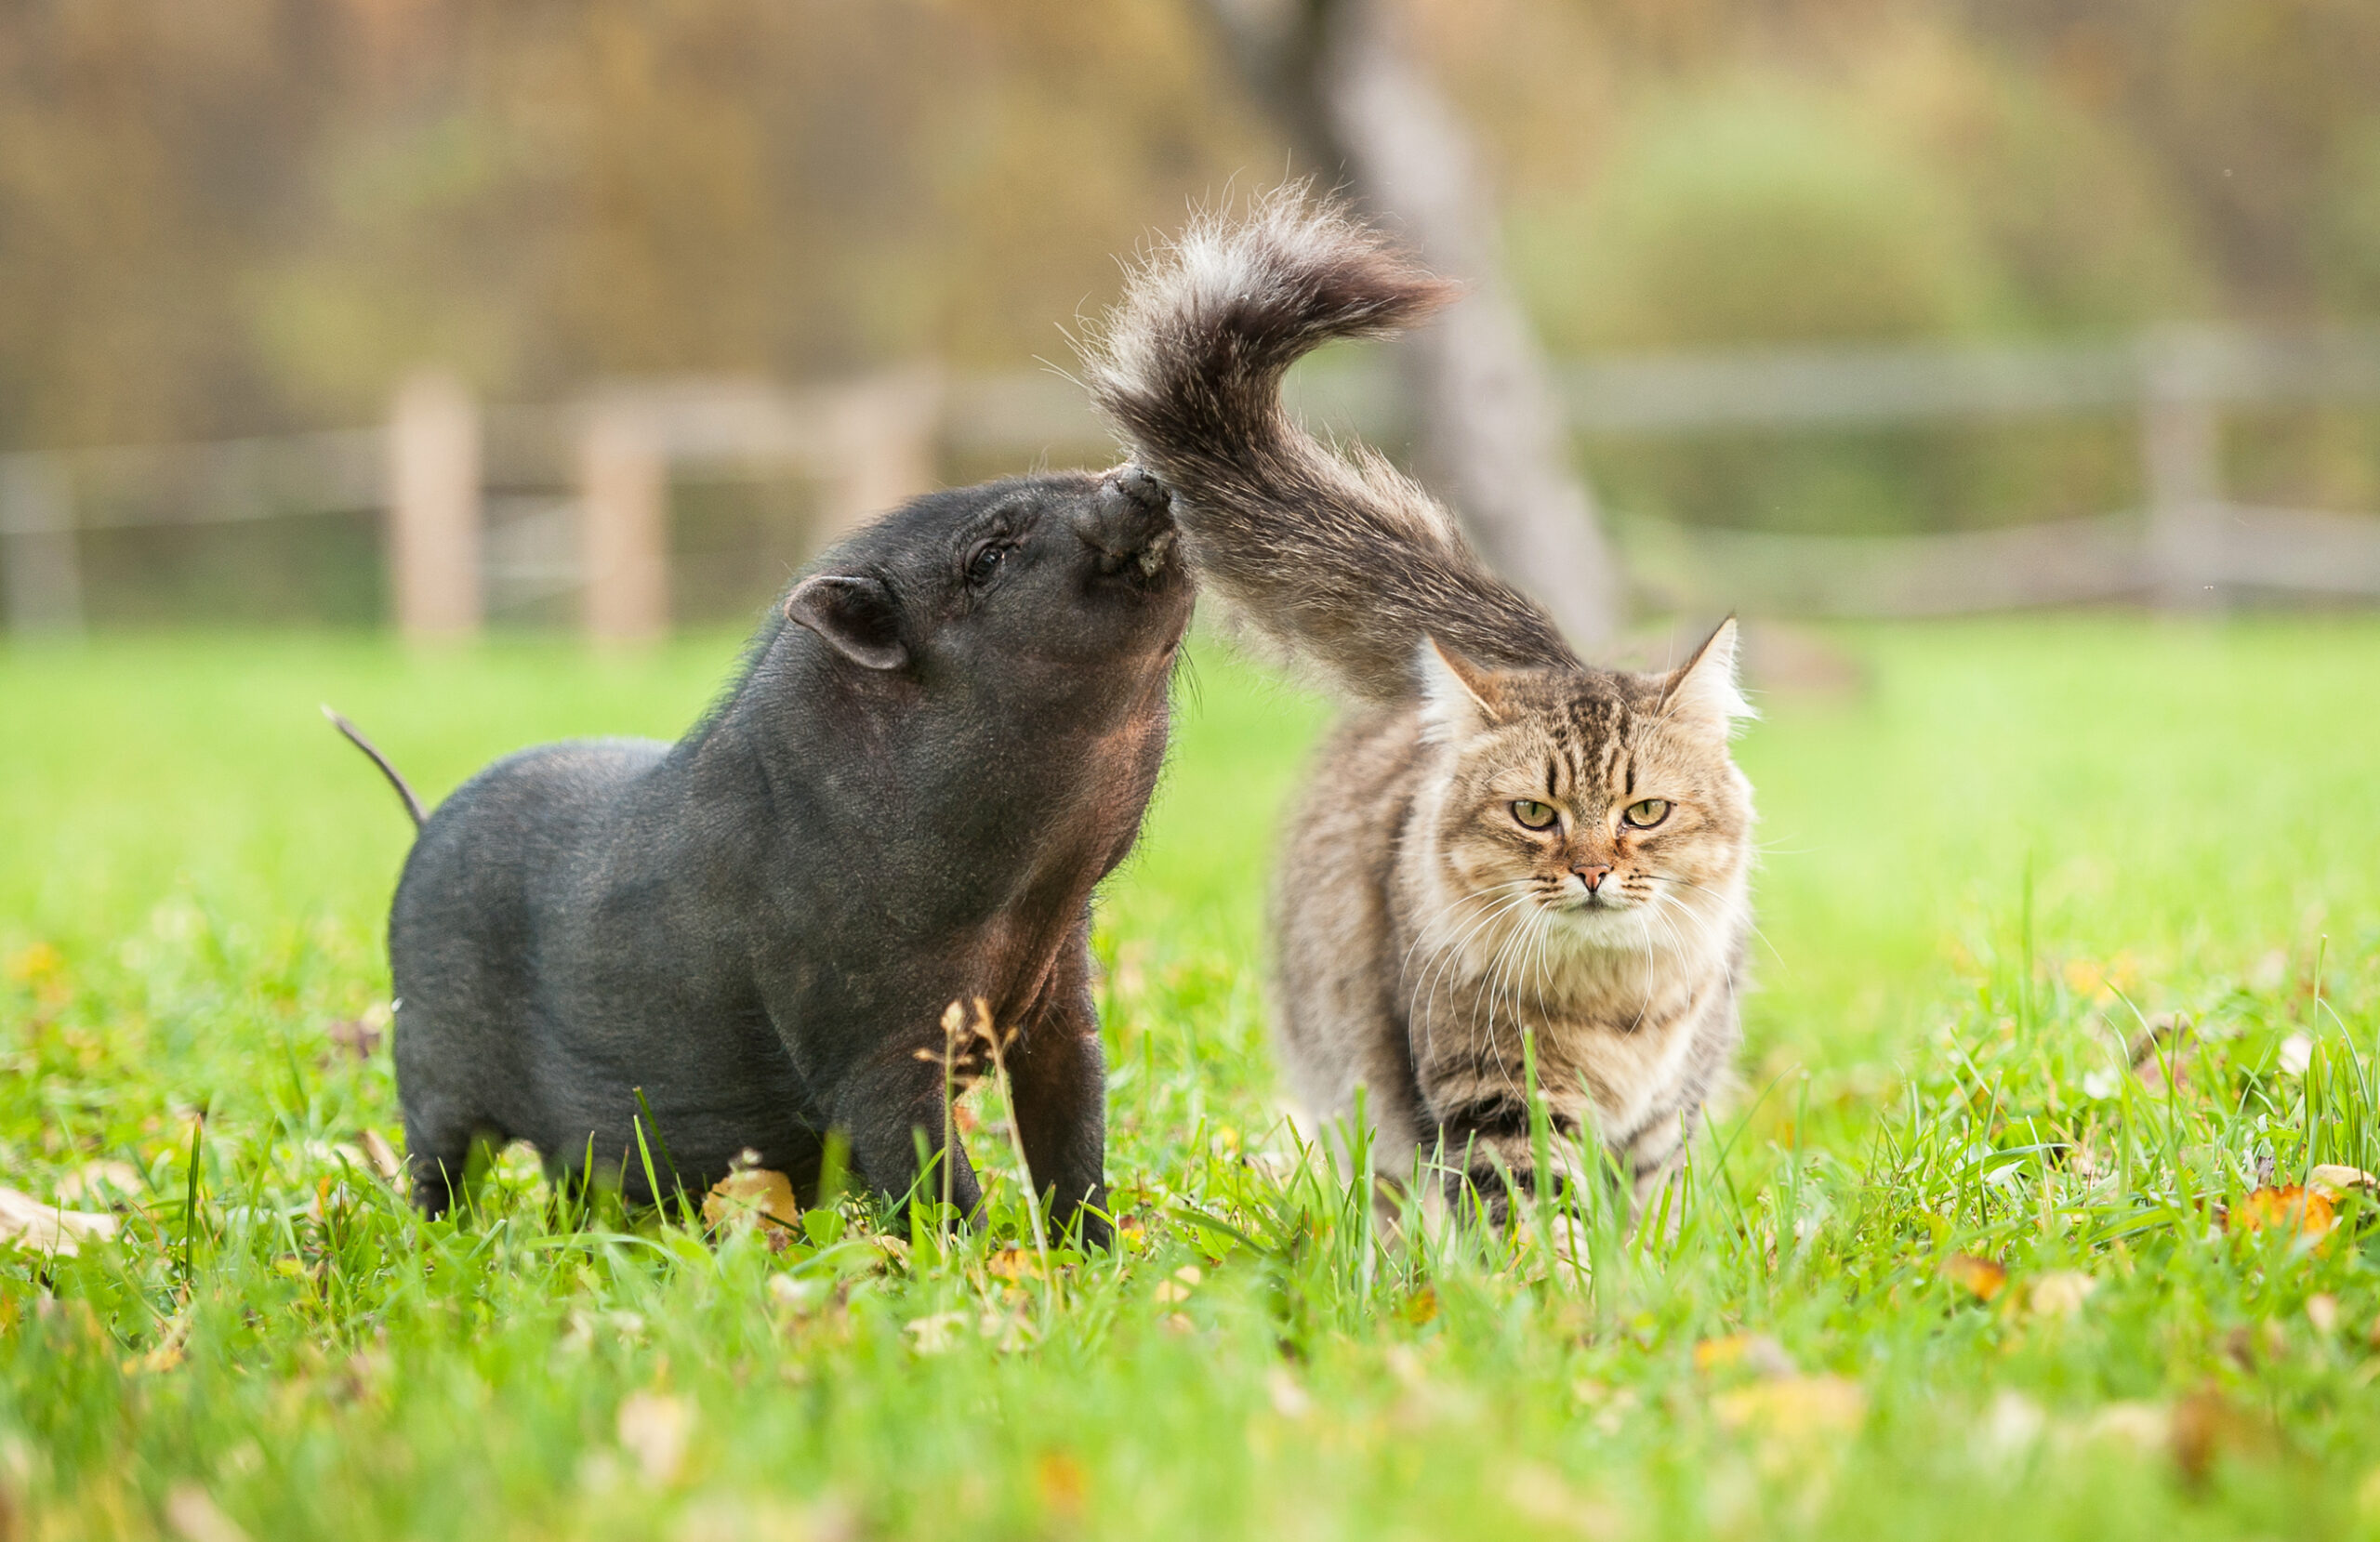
(540, 501)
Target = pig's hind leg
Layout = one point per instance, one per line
(438, 1154)
(447, 1124)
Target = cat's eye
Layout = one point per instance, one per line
(1534, 815)
(1644, 814)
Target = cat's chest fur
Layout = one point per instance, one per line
(1613, 1026)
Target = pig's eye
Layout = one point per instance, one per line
(985, 565)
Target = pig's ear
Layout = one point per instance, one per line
(858, 616)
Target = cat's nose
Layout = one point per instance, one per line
(1592, 877)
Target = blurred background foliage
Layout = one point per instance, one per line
(231, 217)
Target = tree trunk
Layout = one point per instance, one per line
(1492, 438)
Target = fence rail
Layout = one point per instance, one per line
(543, 500)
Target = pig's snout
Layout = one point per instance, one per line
(1128, 524)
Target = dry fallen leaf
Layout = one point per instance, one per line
(2334, 1180)
(1290, 1400)
(2205, 1427)
(1008, 1331)
(195, 1517)
(753, 1196)
(2059, 1293)
(655, 1429)
(730, 1518)
(1544, 1497)
(1060, 1481)
(2303, 1211)
(1756, 1353)
(1983, 1278)
(96, 1182)
(382, 1155)
(1794, 1405)
(39, 1228)
(936, 1334)
(798, 1295)
(2142, 1425)
(2010, 1426)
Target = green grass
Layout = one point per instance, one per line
(1984, 873)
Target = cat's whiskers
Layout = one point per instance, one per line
(1418, 1002)
(1658, 915)
(1454, 907)
(1488, 988)
(1703, 925)
(1543, 959)
(1712, 941)
(1724, 899)
(1493, 983)
(1440, 956)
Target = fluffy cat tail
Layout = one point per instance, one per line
(1339, 561)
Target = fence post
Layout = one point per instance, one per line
(885, 434)
(624, 493)
(434, 509)
(42, 566)
(2182, 454)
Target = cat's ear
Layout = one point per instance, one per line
(860, 618)
(1704, 688)
(1458, 697)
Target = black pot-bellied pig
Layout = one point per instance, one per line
(944, 737)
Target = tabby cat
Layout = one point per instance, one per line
(1497, 841)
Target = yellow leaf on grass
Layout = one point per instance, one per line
(2059, 1293)
(1013, 1263)
(756, 1196)
(1060, 1481)
(1982, 1278)
(2303, 1211)
(657, 1429)
(35, 964)
(1794, 1404)
(1756, 1353)
(2334, 1180)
